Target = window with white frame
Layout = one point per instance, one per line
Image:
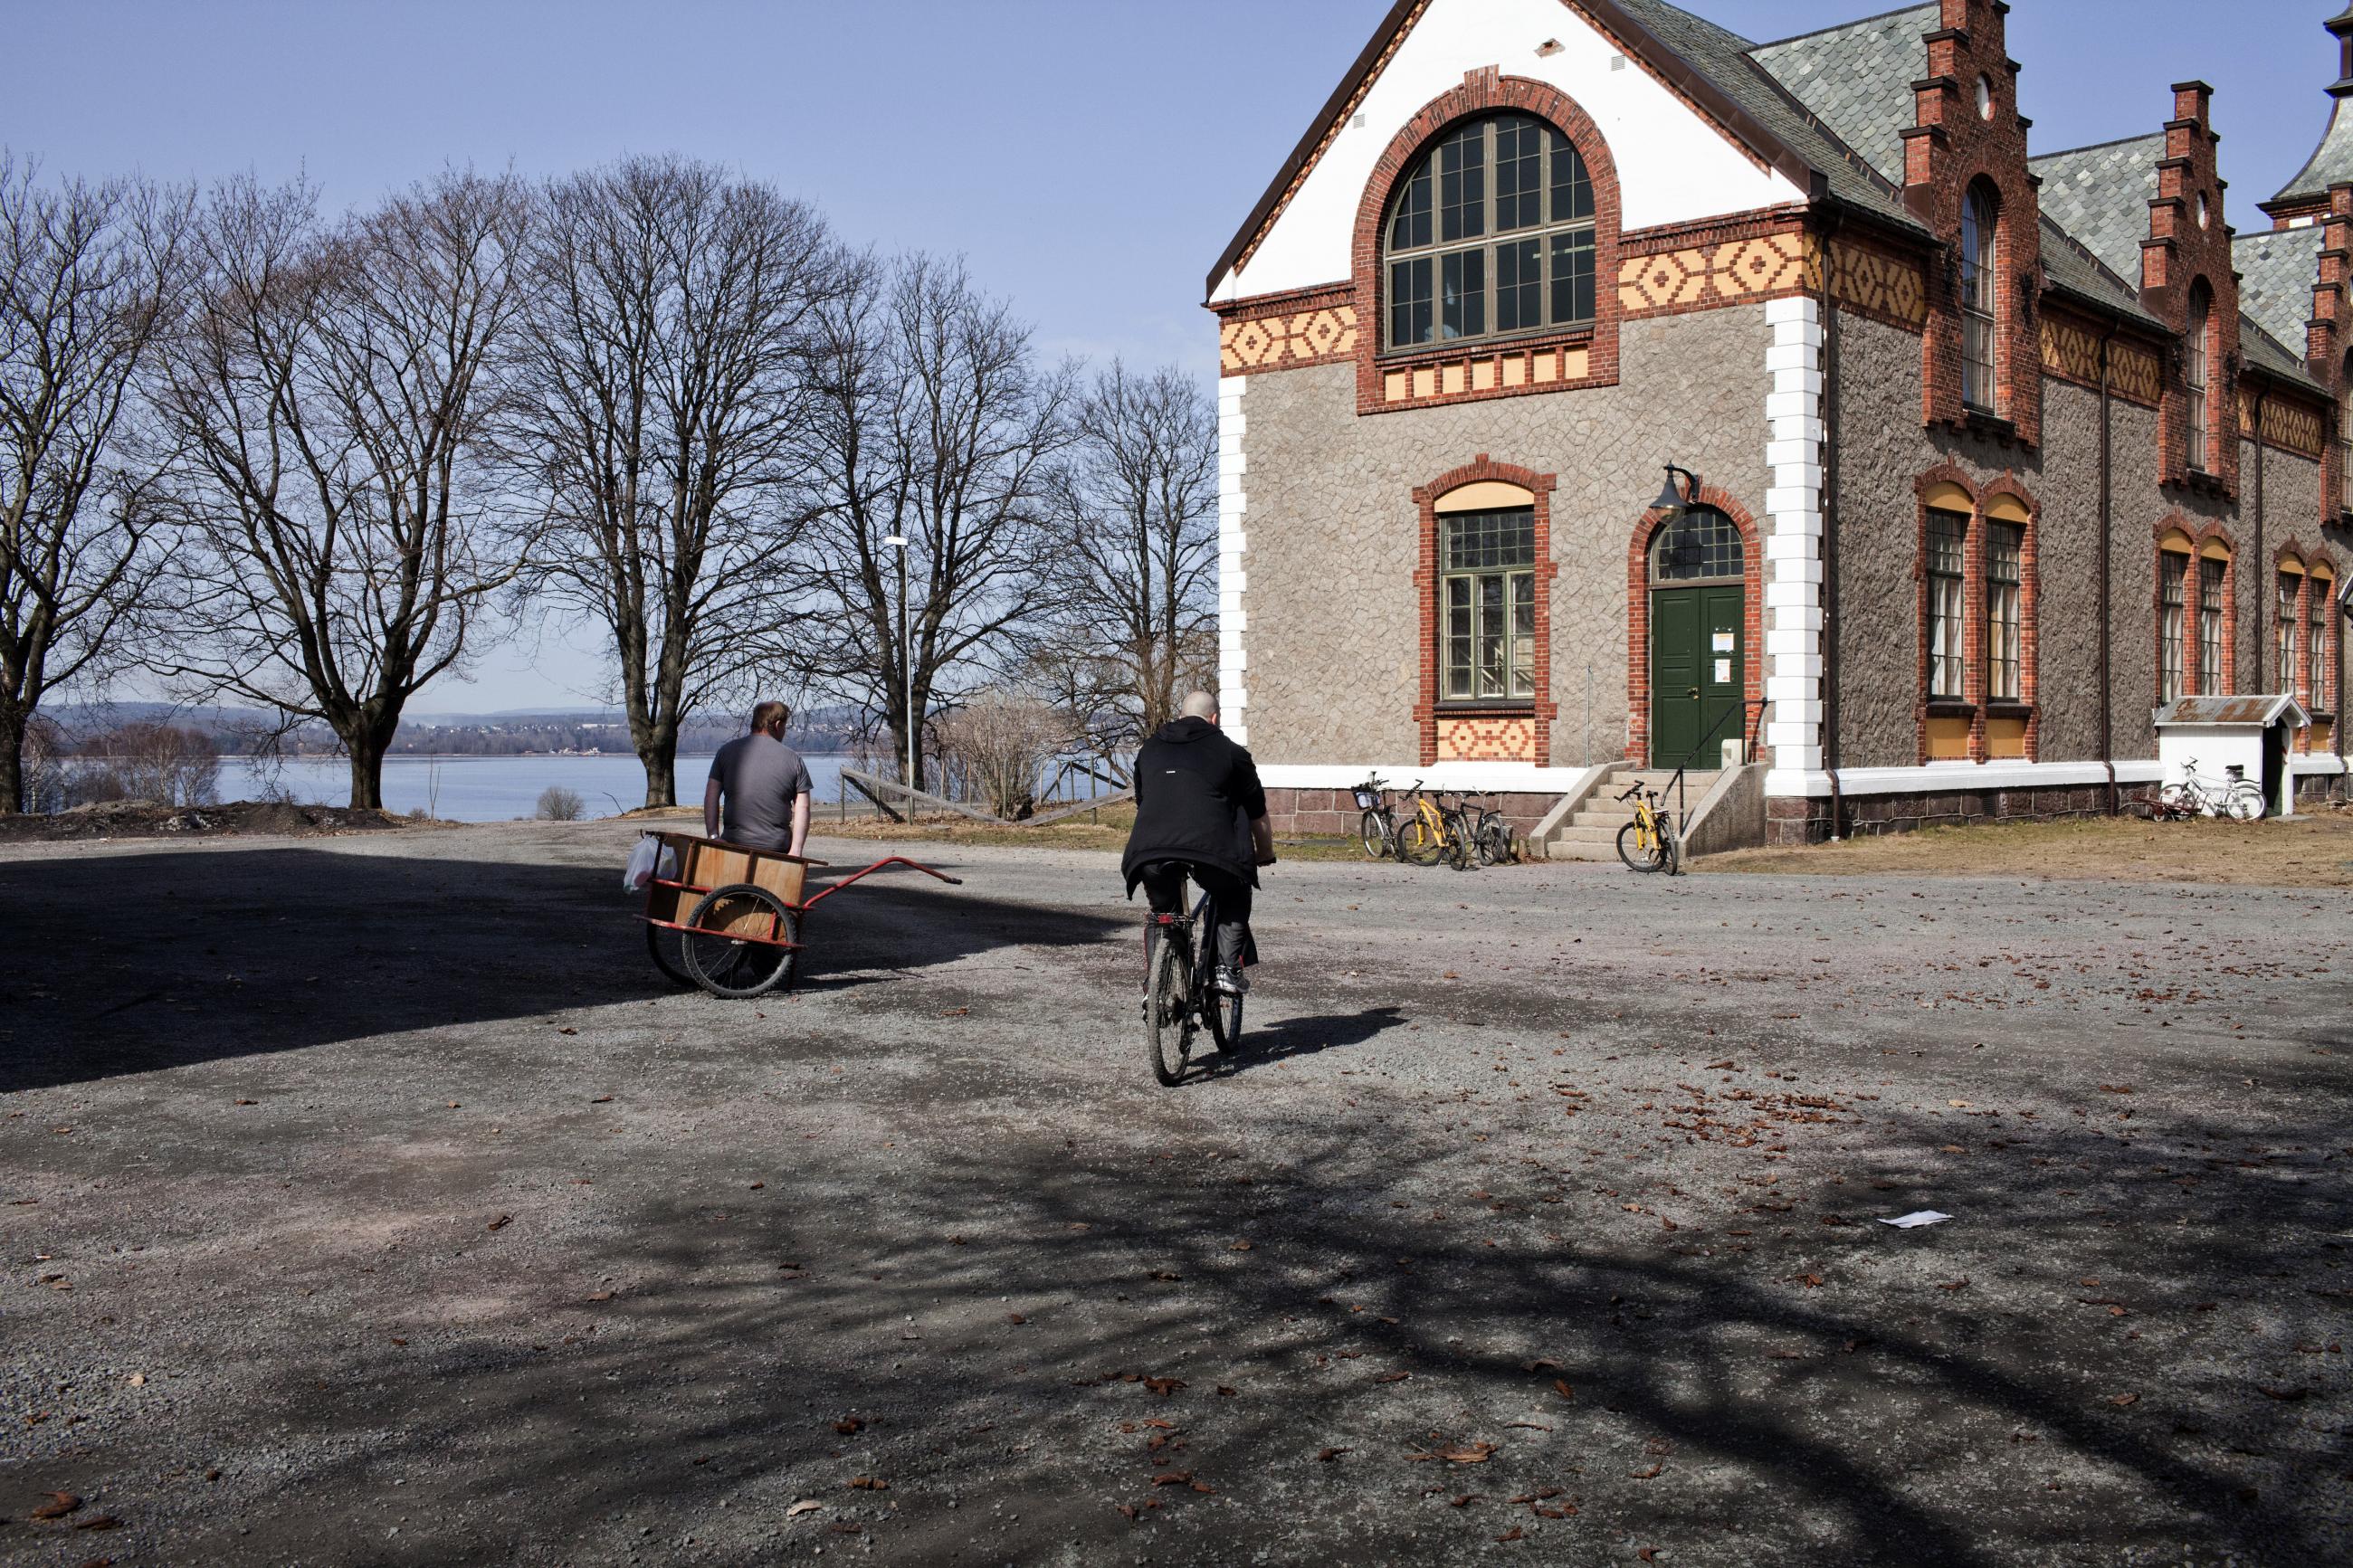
(1487, 606)
(1947, 572)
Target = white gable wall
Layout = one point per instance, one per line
(1672, 166)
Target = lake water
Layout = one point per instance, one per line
(490, 789)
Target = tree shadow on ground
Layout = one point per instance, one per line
(137, 962)
(992, 1329)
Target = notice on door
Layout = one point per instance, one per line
(1723, 645)
(1723, 671)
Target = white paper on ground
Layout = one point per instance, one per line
(1918, 1217)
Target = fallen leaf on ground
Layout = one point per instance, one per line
(869, 1483)
(807, 1504)
(500, 1223)
(1952, 1285)
(103, 1521)
(2123, 1399)
(1393, 1377)
(248, 1102)
(1173, 1478)
(1226, 1392)
(1328, 1455)
(1561, 1387)
(602, 1099)
(1015, 1318)
(1163, 1386)
(1648, 1554)
(847, 1427)
(1542, 1363)
(1468, 1454)
(1649, 1474)
(1126, 1510)
(2282, 1393)
(567, 1029)
(1515, 1533)
(1240, 1247)
(602, 1296)
(957, 1012)
(60, 1505)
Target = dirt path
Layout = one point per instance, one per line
(370, 1200)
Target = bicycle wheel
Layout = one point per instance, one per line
(720, 959)
(2243, 801)
(1640, 849)
(1495, 840)
(1671, 847)
(2175, 800)
(665, 944)
(1419, 844)
(1225, 1015)
(1373, 833)
(1168, 1008)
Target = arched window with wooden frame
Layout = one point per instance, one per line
(1947, 514)
(2174, 556)
(2196, 613)
(1980, 298)
(1489, 234)
(2007, 589)
(2197, 369)
(2345, 439)
(2287, 628)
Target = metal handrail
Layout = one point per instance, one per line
(1748, 746)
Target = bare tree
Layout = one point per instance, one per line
(663, 386)
(1133, 618)
(89, 275)
(330, 400)
(934, 424)
(996, 745)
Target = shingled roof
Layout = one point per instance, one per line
(2332, 162)
(2101, 194)
(2277, 268)
(1858, 75)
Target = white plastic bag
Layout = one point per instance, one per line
(640, 869)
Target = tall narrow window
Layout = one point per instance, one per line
(2289, 611)
(1489, 234)
(2345, 441)
(2210, 626)
(1488, 606)
(1947, 533)
(2172, 573)
(2318, 605)
(2315, 643)
(2005, 557)
(1978, 279)
(2195, 365)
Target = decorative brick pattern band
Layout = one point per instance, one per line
(1702, 277)
(2071, 352)
(1879, 284)
(1493, 740)
(1287, 331)
(2290, 424)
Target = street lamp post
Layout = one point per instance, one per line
(907, 667)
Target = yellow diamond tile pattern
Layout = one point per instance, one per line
(1282, 343)
(1710, 274)
(2073, 351)
(1487, 740)
(2295, 427)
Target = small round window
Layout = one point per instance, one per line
(1985, 98)
(1700, 546)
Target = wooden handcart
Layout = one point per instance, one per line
(728, 918)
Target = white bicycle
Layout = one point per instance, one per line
(2234, 797)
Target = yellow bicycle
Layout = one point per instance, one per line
(1649, 843)
(1433, 833)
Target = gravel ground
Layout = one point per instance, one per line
(371, 1201)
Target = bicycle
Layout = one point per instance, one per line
(1377, 830)
(1490, 835)
(1421, 838)
(1180, 998)
(1648, 843)
(2236, 800)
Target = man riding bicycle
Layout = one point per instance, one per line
(1199, 810)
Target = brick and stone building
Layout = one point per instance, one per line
(1984, 452)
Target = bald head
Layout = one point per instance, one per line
(1201, 705)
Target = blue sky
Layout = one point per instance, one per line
(1090, 157)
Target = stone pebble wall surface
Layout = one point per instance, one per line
(1334, 618)
(1881, 450)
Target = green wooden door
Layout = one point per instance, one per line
(1696, 673)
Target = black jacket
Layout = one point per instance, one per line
(1197, 794)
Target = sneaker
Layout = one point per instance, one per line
(1231, 981)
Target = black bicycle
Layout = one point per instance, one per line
(1377, 829)
(1180, 998)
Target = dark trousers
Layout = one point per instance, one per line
(1164, 887)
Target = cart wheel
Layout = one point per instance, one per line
(728, 965)
(665, 944)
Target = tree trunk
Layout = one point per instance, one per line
(658, 751)
(13, 724)
(367, 774)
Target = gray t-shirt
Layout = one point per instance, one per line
(758, 777)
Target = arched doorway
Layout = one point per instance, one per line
(1698, 615)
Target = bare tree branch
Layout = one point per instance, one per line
(89, 279)
(662, 390)
(933, 422)
(344, 532)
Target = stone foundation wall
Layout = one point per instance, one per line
(1791, 820)
(1333, 812)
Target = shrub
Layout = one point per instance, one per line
(997, 746)
(557, 804)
